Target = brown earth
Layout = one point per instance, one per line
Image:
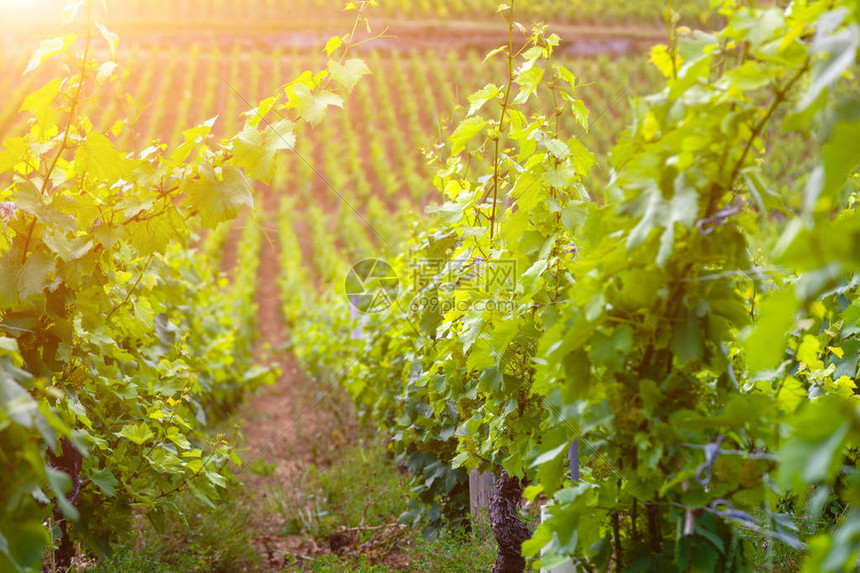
(292, 427)
(276, 429)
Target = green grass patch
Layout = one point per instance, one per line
(198, 539)
(361, 495)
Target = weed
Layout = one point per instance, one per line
(200, 539)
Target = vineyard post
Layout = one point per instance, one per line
(480, 491)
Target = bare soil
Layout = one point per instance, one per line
(293, 427)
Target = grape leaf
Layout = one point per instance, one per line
(218, 199)
(349, 73)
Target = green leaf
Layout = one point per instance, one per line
(498, 50)
(581, 158)
(310, 106)
(764, 25)
(100, 159)
(550, 455)
(34, 276)
(482, 96)
(533, 273)
(752, 75)
(841, 546)
(26, 539)
(766, 345)
(67, 248)
(560, 177)
(29, 199)
(48, 48)
(559, 149)
(580, 112)
(165, 462)
(662, 60)
(14, 151)
(574, 215)
(840, 156)
(838, 49)
(349, 73)
(15, 401)
(792, 394)
(471, 330)
(811, 461)
(196, 135)
(255, 151)
(540, 539)
(62, 483)
(111, 39)
(528, 81)
(465, 132)
(219, 199)
(105, 481)
(333, 44)
(808, 350)
(137, 433)
(565, 74)
(70, 11)
(153, 235)
(682, 209)
(106, 70)
(482, 357)
(178, 439)
(39, 103)
(198, 493)
(654, 206)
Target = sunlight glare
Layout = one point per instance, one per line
(26, 6)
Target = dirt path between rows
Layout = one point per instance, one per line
(290, 437)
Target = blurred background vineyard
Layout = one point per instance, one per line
(302, 13)
(187, 72)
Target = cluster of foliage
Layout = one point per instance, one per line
(119, 340)
(693, 325)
